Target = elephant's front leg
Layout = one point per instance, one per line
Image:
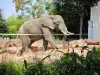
(45, 44)
(48, 36)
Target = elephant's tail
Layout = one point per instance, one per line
(21, 31)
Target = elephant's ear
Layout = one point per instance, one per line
(48, 23)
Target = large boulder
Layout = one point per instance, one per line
(77, 43)
(10, 46)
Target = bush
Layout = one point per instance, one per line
(3, 69)
(14, 23)
(39, 69)
(3, 25)
(11, 68)
(73, 64)
(69, 64)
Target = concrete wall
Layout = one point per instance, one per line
(95, 17)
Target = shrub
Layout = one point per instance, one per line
(73, 64)
(92, 61)
(69, 64)
(3, 69)
(11, 68)
(3, 25)
(14, 23)
(39, 69)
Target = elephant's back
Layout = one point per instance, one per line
(32, 26)
(31, 23)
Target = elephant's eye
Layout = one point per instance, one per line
(57, 23)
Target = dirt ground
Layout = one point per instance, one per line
(10, 48)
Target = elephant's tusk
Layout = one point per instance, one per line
(66, 33)
(63, 32)
(69, 32)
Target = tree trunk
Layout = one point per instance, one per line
(81, 19)
(81, 25)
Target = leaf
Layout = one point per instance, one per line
(25, 63)
(48, 56)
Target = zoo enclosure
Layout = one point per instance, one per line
(63, 42)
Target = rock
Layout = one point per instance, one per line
(81, 43)
(10, 46)
(17, 42)
(73, 43)
(60, 46)
(11, 50)
(91, 46)
(77, 43)
(3, 43)
(36, 46)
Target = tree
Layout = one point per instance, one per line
(3, 25)
(33, 9)
(73, 10)
(82, 3)
(14, 23)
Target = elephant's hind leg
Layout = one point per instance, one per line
(26, 42)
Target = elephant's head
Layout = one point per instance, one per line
(55, 21)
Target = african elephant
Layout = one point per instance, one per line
(42, 25)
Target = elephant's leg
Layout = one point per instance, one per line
(25, 43)
(45, 44)
(48, 36)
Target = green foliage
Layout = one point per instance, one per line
(69, 64)
(3, 25)
(50, 8)
(69, 11)
(3, 69)
(13, 69)
(14, 23)
(73, 64)
(92, 61)
(39, 69)
(35, 8)
(10, 68)
(76, 13)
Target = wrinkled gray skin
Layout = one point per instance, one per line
(42, 25)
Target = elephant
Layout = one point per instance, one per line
(43, 25)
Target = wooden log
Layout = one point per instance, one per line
(92, 42)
